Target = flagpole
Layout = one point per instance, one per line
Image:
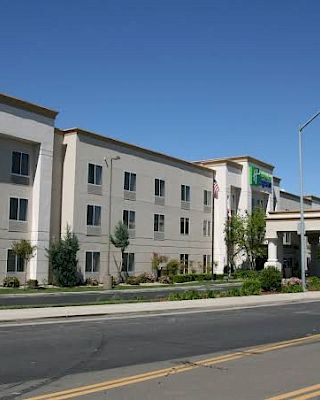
(212, 230)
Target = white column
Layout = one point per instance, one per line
(273, 254)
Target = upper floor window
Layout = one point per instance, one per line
(18, 209)
(185, 193)
(94, 174)
(129, 219)
(159, 187)
(14, 263)
(128, 262)
(158, 223)
(130, 181)
(20, 163)
(184, 226)
(93, 215)
(206, 228)
(207, 196)
(92, 261)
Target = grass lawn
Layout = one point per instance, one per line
(44, 290)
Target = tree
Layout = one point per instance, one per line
(157, 261)
(255, 231)
(234, 232)
(24, 249)
(120, 240)
(245, 234)
(62, 256)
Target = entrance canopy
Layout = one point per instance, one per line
(280, 222)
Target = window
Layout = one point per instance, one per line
(14, 263)
(159, 187)
(287, 238)
(93, 215)
(128, 262)
(158, 223)
(92, 261)
(184, 262)
(184, 226)
(20, 163)
(207, 198)
(206, 263)
(129, 219)
(18, 209)
(94, 174)
(130, 181)
(206, 228)
(185, 193)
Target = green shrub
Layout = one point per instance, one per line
(292, 289)
(313, 283)
(251, 287)
(171, 268)
(245, 274)
(11, 281)
(165, 280)
(133, 280)
(92, 282)
(270, 279)
(62, 256)
(234, 292)
(32, 283)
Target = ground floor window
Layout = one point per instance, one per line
(92, 261)
(206, 264)
(14, 263)
(184, 263)
(128, 262)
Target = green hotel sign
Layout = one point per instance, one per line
(259, 178)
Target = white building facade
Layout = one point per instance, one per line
(52, 178)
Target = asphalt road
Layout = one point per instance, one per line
(63, 298)
(35, 357)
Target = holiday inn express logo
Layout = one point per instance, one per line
(259, 178)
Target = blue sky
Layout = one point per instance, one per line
(192, 78)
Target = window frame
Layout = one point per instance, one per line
(95, 169)
(95, 207)
(129, 256)
(131, 181)
(18, 261)
(21, 154)
(160, 187)
(185, 193)
(184, 226)
(158, 222)
(207, 198)
(129, 224)
(18, 212)
(92, 269)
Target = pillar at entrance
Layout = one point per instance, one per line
(313, 240)
(273, 254)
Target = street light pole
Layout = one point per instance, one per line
(302, 227)
(108, 279)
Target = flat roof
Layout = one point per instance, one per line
(26, 105)
(237, 159)
(133, 147)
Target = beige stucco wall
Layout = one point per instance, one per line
(27, 131)
(147, 168)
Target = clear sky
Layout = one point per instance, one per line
(192, 78)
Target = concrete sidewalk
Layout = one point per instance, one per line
(12, 315)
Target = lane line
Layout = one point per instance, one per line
(107, 385)
(293, 394)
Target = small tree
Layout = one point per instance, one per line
(24, 249)
(255, 231)
(120, 240)
(234, 238)
(62, 256)
(156, 262)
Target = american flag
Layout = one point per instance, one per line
(215, 189)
